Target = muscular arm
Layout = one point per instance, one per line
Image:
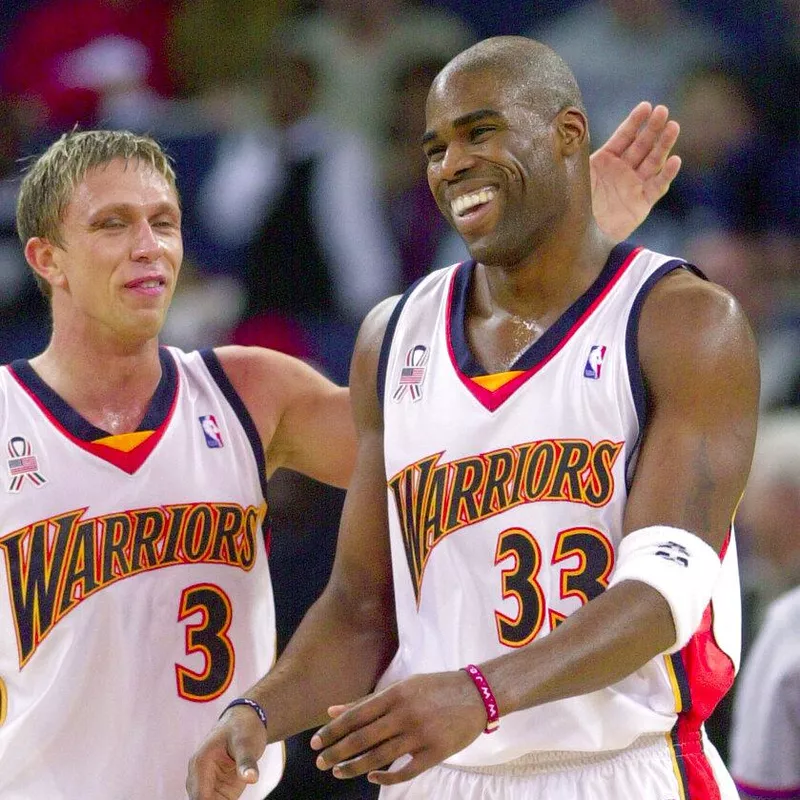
(701, 370)
(304, 420)
(700, 367)
(355, 613)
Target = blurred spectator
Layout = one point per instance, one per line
(748, 266)
(768, 533)
(505, 17)
(204, 309)
(734, 174)
(213, 50)
(765, 735)
(24, 316)
(769, 517)
(89, 61)
(297, 205)
(362, 45)
(624, 51)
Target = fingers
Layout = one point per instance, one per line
(645, 139)
(344, 739)
(345, 719)
(213, 775)
(405, 770)
(659, 140)
(377, 758)
(227, 761)
(653, 142)
(337, 711)
(625, 135)
(657, 185)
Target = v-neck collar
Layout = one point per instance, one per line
(544, 348)
(86, 435)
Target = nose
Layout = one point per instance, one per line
(457, 158)
(146, 245)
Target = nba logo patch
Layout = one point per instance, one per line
(594, 363)
(211, 430)
(412, 374)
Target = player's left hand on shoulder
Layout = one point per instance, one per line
(421, 720)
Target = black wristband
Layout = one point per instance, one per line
(246, 701)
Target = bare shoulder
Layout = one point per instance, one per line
(689, 320)
(270, 382)
(247, 364)
(369, 342)
(261, 375)
(373, 328)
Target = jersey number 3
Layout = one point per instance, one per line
(209, 637)
(584, 578)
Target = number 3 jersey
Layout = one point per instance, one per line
(135, 595)
(506, 499)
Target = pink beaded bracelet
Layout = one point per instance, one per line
(489, 702)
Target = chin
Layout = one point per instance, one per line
(491, 254)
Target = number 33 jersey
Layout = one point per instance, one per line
(135, 596)
(506, 498)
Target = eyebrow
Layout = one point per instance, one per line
(124, 208)
(466, 119)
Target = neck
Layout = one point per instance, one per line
(539, 288)
(109, 385)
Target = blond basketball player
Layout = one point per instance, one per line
(536, 560)
(135, 596)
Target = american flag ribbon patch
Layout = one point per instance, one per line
(412, 374)
(22, 465)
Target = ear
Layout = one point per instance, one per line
(41, 255)
(573, 128)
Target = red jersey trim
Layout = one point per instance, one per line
(493, 399)
(129, 461)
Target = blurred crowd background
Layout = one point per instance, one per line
(295, 128)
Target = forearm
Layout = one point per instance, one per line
(335, 656)
(602, 643)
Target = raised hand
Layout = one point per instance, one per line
(425, 718)
(633, 170)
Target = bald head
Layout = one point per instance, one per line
(530, 71)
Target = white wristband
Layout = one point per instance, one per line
(679, 565)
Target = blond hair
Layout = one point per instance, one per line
(50, 181)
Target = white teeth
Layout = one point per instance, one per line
(462, 204)
(150, 284)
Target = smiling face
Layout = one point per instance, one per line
(114, 272)
(497, 164)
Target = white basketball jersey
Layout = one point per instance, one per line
(135, 595)
(506, 499)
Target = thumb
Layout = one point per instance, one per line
(245, 752)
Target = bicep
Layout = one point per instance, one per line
(315, 435)
(700, 366)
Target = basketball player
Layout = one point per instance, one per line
(135, 597)
(562, 429)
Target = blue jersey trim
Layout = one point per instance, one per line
(81, 428)
(637, 384)
(549, 340)
(386, 344)
(217, 371)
